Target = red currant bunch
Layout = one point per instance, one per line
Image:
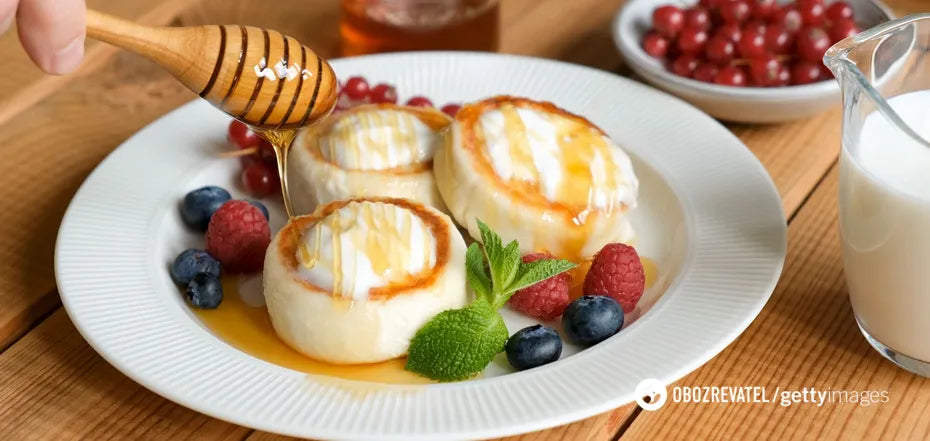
(757, 43)
(356, 90)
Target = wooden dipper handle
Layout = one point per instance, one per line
(261, 77)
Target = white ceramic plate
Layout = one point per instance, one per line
(709, 217)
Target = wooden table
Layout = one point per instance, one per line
(54, 131)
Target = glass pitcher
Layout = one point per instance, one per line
(884, 188)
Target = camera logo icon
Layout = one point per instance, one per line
(654, 391)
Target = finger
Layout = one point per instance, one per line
(7, 14)
(52, 31)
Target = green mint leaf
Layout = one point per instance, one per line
(457, 344)
(475, 271)
(534, 272)
(492, 244)
(504, 262)
(505, 269)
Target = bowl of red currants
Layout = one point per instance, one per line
(752, 61)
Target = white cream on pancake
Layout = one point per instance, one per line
(354, 281)
(380, 150)
(538, 174)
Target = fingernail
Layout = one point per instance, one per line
(5, 23)
(69, 57)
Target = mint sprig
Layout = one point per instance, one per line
(459, 343)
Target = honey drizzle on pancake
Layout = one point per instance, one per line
(585, 159)
(407, 136)
(378, 129)
(590, 175)
(281, 140)
(387, 243)
(521, 156)
(336, 228)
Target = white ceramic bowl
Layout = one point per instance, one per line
(748, 104)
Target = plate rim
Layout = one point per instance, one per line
(551, 421)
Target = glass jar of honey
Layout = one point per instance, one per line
(371, 26)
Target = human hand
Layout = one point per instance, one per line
(51, 31)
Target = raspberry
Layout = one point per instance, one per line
(543, 300)
(237, 236)
(617, 272)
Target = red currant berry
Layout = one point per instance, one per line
(763, 9)
(734, 11)
(356, 88)
(812, 43)
(685, 65)
(784, 76)
(343, 102)
(756, 25)
(266, 153)
(655, 44)
(730, 31)
(259, 179)
(751, 44)
(383, 93)
(811, 12)
(451, 109)
(778, 40)
(720, 50)
(842, 29)
(788, 18)
(706, 72)
(419, 101)
(692, 41)
(668, 20)
(247, 160)
(764, 70)
(805, 72)
(697, 18)
(731, 76)
(240, 135)
(839, 11)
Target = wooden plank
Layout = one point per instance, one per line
(78, 126)
(57, 387)
(556, 29)
(796, 154)
(26, 85)
(597, 428)
(805, 337)
(313, 22)
(48, 151)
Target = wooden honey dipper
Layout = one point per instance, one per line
(261, 77)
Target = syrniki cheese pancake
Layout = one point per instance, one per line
(355, 280)
(378, 150)
(536, 173)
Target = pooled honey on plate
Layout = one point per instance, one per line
(248, 328)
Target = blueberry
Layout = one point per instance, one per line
(205, 291)
(192, 262)
(199, 205)
(261, 207)
(533, 346)
(591, 319)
